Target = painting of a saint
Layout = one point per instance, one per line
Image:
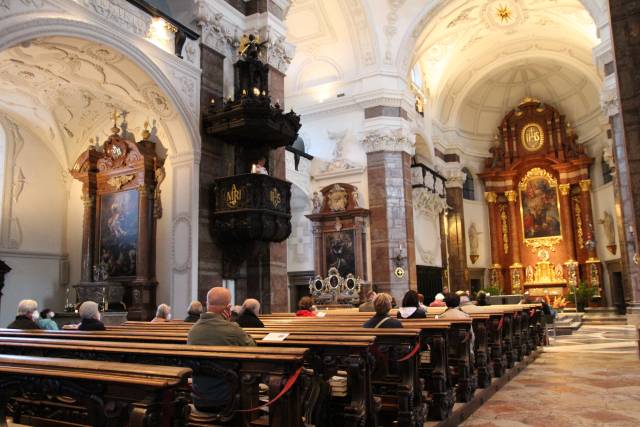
(540, 215)
(119, 232)
(339, 252)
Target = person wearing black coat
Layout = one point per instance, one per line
(411, 307)
(248, 317)
(195, 310)
(90, 315)
(26, 316)
(381, 319)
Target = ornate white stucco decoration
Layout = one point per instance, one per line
(428, 203)
(607, 155)
(609, 101)
(10, 229)
(338, 162)
(390, 29)
(360, 31)
(389, 140)
(279, 51)
(121, 13)
(455, 177)
(218, 32)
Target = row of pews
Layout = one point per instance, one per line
(327, 371)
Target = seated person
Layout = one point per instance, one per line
(195, 310)
(211, 394)
(45, 321)
(163, 313)
(411, 307)
(421, 300)
(248, 317)
(26, 316)
(438, 301)
(305, 307)
(368, 305)
(382, 306)
(90, 315)
(453, 309)
(482, 299)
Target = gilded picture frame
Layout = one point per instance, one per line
(540, 209)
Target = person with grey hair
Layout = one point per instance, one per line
(90, 315)
(211, 393)
(26, 316)
(194, 312)
(163, 313)
(249, 314)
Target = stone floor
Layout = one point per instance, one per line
(590, 378)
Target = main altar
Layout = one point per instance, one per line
(538, 192)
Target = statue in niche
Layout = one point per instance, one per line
(607, 224)
(355, 196)
(337, 199)
(473, 239)
(317, 202)
(497, 154)
(529, 274)
(160, 174)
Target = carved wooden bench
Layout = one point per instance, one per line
(90, 392)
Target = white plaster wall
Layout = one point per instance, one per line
(40, 211)
(477, 212)
(427, 239)
(75, 219)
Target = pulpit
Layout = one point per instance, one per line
(120, 191)
(539, 196)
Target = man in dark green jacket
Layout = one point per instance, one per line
(211, 394)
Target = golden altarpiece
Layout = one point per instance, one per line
(538, 193)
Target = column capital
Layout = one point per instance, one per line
(490, 196)
(564, 189)
(585, 185)
(397, 139)
(511, 195)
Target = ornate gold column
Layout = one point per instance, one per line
(495, 272)
(565, 213)
(516, 267)
(592, 266)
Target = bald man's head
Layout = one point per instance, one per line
(219, 300)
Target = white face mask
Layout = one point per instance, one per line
(169, 316)
(35, 315)
(51, 315)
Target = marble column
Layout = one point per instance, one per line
(496, 237)
(389, 154)
(515, 269)
(567, 221)
(456, 236)
(88, 242)
(625, 32)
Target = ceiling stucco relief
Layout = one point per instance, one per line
(71, 86)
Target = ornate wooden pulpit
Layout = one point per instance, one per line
(539, 196)
(120, 191)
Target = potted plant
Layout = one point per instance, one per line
(582, 295)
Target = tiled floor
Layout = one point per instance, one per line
(591, 378)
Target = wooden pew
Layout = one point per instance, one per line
(93, 393)
(242, 367)
(329, 354)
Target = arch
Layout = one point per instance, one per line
(597, 9)
(25, 27)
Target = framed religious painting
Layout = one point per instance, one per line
(118, 221)
(540, 206)
(339, 252)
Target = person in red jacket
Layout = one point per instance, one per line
(304, 307)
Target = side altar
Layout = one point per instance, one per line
(121, 195)
(538, 191)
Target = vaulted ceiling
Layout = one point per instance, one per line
(66, 90)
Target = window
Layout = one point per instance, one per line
(468, 188)
(416, 77)
(606, 172)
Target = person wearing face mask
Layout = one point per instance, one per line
(163, 313)
(210, 394)
(90, 315)
(26, 316)
(46, 320)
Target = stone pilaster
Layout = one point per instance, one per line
(391, 209)
(625, 22)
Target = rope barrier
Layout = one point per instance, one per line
(290, 382)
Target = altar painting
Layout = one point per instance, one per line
(119, 232)
(539, 206)
(339, 251)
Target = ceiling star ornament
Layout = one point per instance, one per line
(504, 14)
